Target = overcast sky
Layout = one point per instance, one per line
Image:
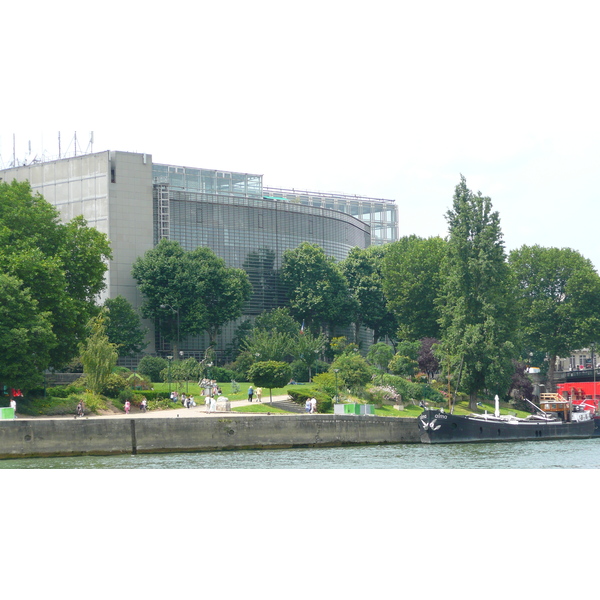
(385, 99)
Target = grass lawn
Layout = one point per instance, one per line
(193, 389)
(259, 408)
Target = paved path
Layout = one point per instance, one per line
(175, 413)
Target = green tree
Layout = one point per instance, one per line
(363, 269)
(26, 335)
(306, 348)
(269, 374)
(412, 282)
(559, 295)
(403, 365)
(278, 319)
(479, 319)
(379, 355)
(317, 290)
(151, 367)
(62, 266)
(123, 326)
(265, 345)
(404, 362)
(98, 354)
(353, 370)
(189, 292)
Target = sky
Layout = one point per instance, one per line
(388, 99)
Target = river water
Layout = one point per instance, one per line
(557, 454)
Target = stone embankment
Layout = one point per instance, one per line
(154, 433)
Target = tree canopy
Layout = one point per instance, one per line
(189, 292)
(123, 326)
(412, 282)
(56, 272)
(363, 270)
(478, 301)
(559, 298)
(317, 290)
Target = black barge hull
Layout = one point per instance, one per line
(437, 427)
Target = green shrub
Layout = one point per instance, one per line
(92, 402)
(151, 395)
(113, 386)
(126, 394)
(151, 367)
(222, 374)
(324, 402)
(160, 403)
(64, 391)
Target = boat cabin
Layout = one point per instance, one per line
(554, 403)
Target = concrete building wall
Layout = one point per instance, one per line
(113, 192)
(130, 225)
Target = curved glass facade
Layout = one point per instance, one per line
(379, 213)
(245, 229)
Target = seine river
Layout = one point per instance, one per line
(558, 454)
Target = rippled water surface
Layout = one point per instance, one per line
(558, 454)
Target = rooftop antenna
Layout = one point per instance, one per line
(90, 147)
(75, 138)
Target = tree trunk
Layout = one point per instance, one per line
(473, 401)
(550, 376)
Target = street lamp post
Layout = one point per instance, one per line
(187, 379)
(169, 358)
(175, 310)
(337, 398)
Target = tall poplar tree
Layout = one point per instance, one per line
(477, 303)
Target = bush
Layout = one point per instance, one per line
(125, 395)
(63, 391)
(150, 395)
(325, 382)
(160, 404)
(221, 374)
(113, 386)
(324, 402)
(151, 366)
(383, 394)
(354, 371)
(91, 402)
(300, 370)
(412, 391)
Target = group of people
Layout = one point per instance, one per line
(210, 387)
(311, 405)
(187, 401)
(252, 391)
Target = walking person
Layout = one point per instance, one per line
(250, 393)
(313, 405)
(13, 405)
(79, 409)
(259, 394)
(144, 404)
(308, 405)
(127, 407)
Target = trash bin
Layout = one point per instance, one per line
(7, 413)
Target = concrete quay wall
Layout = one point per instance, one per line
(103, 436)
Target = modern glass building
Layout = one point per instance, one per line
(137, 203)
(380, 214)
(228, 213)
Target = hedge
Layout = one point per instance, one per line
(324, 402)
